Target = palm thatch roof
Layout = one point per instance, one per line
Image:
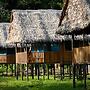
(34, 25)
(4, 30)
(76, 37)
(75, 17)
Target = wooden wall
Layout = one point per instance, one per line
(9, 59)
(21, 57)
(60, 56)
(81, 55)
(50, 57)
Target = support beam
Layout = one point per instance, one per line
(17, 67)
(70, 70)
(35, 69)
(32, 73)
(54, 71)
(85, 75)
(22, 71)
(6, 69)
(12, 69)
(43, 70)
(48, 70)
(27, 72)
(61, 71)
(38, 71)
(74, 70)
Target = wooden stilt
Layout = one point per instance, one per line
(32, 73)
(17, 71)
(2, 69)
(77, 71)
(48, 70)
(35, 69)
(70, 71)
(85, 76)
(74, 83)
(61, 72)
(80, 72)
(54, 71)
(44, 71)
(16, 65)
(12, 70)
(22, 71)
(67, 69)
(38, 71)
(27, 72)
(6, 69)
(51, 69)
(87, 68)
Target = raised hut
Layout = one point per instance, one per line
(7, 53)
(75, 20)
(33, 31)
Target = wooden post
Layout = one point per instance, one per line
(77, 71)
(48, 70)
(74, 70)
(35, 69)
(43, 63)
(22, 71)
(70, 71)
(16, 63)
(38, 71)
(61, 71)
(87, 68)
(67, 69)
(6, 69)
(80, 71)
(43, 70)
(51, 68)
(12, 69)
(2, 69)
(17, 67)
(54, 71)
(32, 73)
(27, 72)
(85, 76)
(74, 65)
(27, 64)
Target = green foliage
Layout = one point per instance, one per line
(7, 5)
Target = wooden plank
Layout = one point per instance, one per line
(21, 58)
(82, 55)
(3, 59)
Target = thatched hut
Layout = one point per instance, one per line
(7, 53)
(36, 28)
(75, 20)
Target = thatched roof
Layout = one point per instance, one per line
(4, 30)
(76, 37)
(75, 16)
(34, 25)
